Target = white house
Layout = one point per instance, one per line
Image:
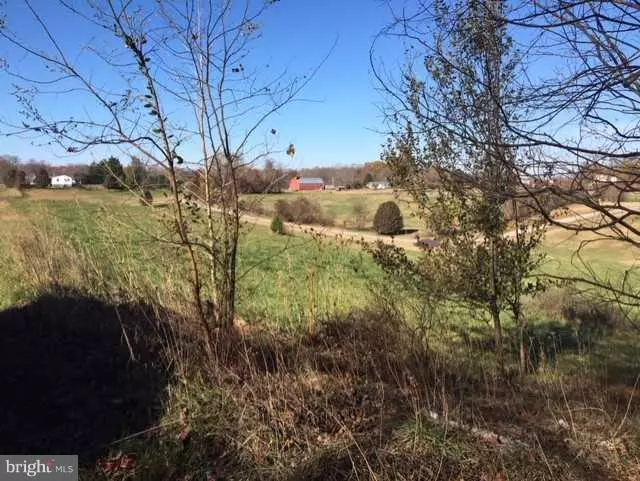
(378, 185)
(602, 178)
(61, 181)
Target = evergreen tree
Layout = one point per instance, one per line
(113, 172)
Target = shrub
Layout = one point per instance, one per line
(302, 211)
(146, 198)
(42, 179)
(277, 225)
(360, 214)
(283, 209)
(253, 207)
(529, 206)
(611, 194)
(388, 219)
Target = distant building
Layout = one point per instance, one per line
(30, 179)
(378, 185)
(61, 181)
(602, 178)
(300, 184)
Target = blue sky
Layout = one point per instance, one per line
(338, 127)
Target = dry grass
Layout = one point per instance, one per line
(81, 195)
(359, 399)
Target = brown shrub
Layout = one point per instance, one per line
(303, 211)
(360, 215)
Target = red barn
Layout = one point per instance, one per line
(306, 183)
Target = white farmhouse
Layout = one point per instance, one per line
(61, 181)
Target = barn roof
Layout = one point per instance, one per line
(311, 180)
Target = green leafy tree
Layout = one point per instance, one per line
(368, 178)
(452, 121)
(113, 172)
(10, 177)
(42, 178)
(94, 176)
(21, 179)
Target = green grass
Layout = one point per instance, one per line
(583, 255)
(283, 280)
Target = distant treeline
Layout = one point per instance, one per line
(112, 174)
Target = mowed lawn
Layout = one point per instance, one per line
(283, 280)
(341, 205)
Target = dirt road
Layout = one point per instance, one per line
(407, 241)
(579, 216)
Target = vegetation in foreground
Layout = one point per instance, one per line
(338, 373)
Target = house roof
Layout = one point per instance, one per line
(311, 180)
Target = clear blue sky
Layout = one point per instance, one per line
(339, 127)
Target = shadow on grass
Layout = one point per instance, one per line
(609, 351)
(72, 382)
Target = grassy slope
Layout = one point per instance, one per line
(288, 281)
(283, 280)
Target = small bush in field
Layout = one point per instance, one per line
(277, 225)
(146, 198)
(253, 207)
(360, 214)
(388, 219)
(611, 194)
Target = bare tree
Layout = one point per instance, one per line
(582, 126)
(179, 74)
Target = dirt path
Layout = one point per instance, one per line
(407, 241)
(584, 216)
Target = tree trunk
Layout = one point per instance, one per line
(497, 325)
(522, 326)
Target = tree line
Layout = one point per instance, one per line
(112, 174)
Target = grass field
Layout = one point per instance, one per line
(340, 205)
(356, 393)
(283, 280)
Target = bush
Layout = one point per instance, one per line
(388, 219)
(303, 211)
(360, 215)
(277, 225)
(253, 206)
(42, 179)
(529, 206)
(146, 198)
(283, 209)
